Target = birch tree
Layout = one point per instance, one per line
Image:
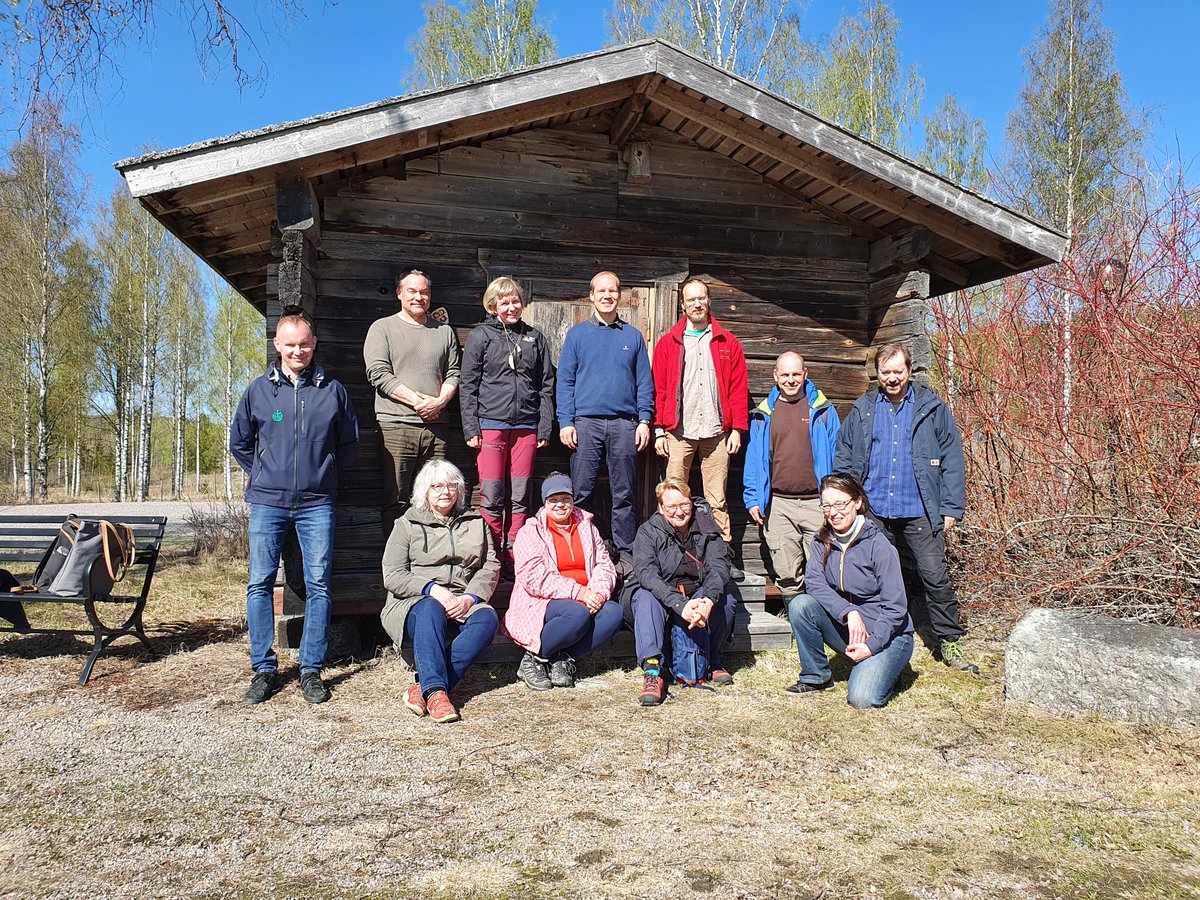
(1072, 135)
(760, 40)
(1070, 140)
(955, 146)
(468, 39)
(39, 196)
(857, 79)
(186, 343)
(239, 339)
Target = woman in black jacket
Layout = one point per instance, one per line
(506, 391)
(682, 565)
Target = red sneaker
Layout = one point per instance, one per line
(414, 700)
(654, 691)
(441, 709)
(720, 676)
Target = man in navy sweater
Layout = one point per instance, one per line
(605, 398)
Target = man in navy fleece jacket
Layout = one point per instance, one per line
(606, 404)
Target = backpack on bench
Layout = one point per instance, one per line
(65, 567)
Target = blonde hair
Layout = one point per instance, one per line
(498, 288)
(671, 484)
(592, 283)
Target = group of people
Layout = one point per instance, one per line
(834, 500)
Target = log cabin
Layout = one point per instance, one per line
(642, 159)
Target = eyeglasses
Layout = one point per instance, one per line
(840, 506)
(442, 488)
(561, 501)
(678, 508)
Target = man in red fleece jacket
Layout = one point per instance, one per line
(700, 398)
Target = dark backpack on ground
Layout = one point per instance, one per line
(689, 655)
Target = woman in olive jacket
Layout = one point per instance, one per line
(440, 569)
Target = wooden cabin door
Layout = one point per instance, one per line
(556, 285)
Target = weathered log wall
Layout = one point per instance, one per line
(553, 207)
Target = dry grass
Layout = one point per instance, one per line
(749, 792)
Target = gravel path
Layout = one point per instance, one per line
(176, 511)
(155, 781)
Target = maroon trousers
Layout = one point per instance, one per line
(505, 464)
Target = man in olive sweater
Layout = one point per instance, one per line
(412, 363)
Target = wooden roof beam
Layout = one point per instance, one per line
(630, 115)
(800, 125)
(899, 252)
(850, 180)
(627, 119)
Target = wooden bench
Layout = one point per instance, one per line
(24, 539)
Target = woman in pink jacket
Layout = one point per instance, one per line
(560, 607)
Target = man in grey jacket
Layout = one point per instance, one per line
(900, 442)
(412, 362)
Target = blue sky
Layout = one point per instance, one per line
(354, 52)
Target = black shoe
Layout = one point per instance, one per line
(313, 687)
(562, 671)
(803, 687)
(736, 574)
(532, 671)
(262, 687)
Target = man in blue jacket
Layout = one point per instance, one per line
(293, 431)
(792, 437)
(900, 442)
(605, 398)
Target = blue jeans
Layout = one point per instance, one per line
(441, 663)
(571, 628)
(650, 625)
(314, 531)
(613, 441)
(871, 681)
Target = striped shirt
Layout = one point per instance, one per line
(891, 483)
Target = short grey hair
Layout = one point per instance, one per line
(431, 471)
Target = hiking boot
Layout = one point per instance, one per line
(262, 687)
(654, 690)
(313, 687)
(440, 708)
(414, 699)
(803, 687)
(532, 671)
(952, 656)
(721, 676)
(562, 671)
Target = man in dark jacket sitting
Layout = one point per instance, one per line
(293, 431)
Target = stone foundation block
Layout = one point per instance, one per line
(1071, 662)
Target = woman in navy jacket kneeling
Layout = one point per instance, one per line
(854, 601)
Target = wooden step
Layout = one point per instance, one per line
(752, 631)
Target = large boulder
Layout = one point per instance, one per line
(1071, 662)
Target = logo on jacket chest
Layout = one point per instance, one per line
(277, 416)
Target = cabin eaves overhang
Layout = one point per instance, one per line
(218, 196)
